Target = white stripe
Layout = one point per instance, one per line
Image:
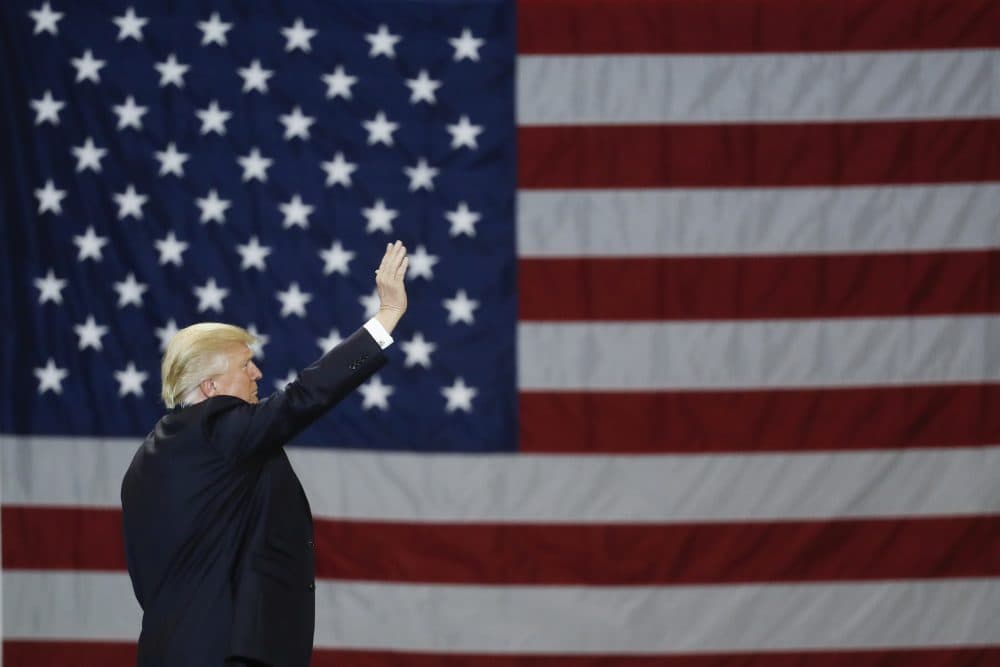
(685, 619)
(557, 619)
(70, 605)
(757, 221)
(563, 489)
(631, 356)
(660, 489)
(610, 89)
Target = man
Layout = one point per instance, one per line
(218, 531)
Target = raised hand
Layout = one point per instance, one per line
(389, 284)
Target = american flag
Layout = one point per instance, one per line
(701, 365)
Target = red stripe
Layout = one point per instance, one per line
(765, 155)
(23, 653)
(26, 653)
(703, 422)
(703, 26)
(62, 538)
(614, 554)
(622, 555)
(790, 286)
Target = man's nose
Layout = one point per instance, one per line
(256, 374)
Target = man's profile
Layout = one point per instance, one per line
(217, 528)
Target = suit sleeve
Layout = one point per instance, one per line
(241, 430)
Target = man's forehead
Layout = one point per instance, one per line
(241, 350)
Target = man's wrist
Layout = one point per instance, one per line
(388, 318)
(378, 332)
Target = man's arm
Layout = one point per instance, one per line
(241, 429)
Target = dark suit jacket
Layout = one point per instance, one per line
(218, 532)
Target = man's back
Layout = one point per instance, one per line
(217, 529)
(185, 516)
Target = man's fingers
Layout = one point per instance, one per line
(401, 257)
(401, 271)
(388, 259)
(395, 255)
(398, 254)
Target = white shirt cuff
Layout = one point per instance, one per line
(378, 332)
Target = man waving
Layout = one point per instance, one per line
(217, 528)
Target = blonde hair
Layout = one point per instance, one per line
(196, 353)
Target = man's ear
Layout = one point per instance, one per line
(208, 388)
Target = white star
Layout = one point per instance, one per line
(253, 254)
(380, 129)
(255, 166)
(371, 303)
(50, 198)
(336, 259)
(298, 36)
(285, 381)
(130, 203)
(255, 77)
(213, 119)
(418, 351)
(422, 263)
(466, 45)
(170, 249)
(51, 376)
(338, 83)
(50, 288)
(383, 42)
(214, 30)
(45, 20)
(210, 296)
(379, 217)
(459, 396)
(421, 176)
(375, 394)
(130, 25)
(293, 301)
(87, 67)
(88, 156)
(261, 340)
(165, 333)
(129, 114)
(463, 221)
(422, 88)
(47, 109)
(297, 124)
(90, 333)
(130, 291)
(330, 342)
(339, 170)
(212, 207)
(90, 245)
(130, 380)
(171, 160)
(464, 133)
(460, 308)
(171, 72)
(296, 213)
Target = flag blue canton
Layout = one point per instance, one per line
(232, 160)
